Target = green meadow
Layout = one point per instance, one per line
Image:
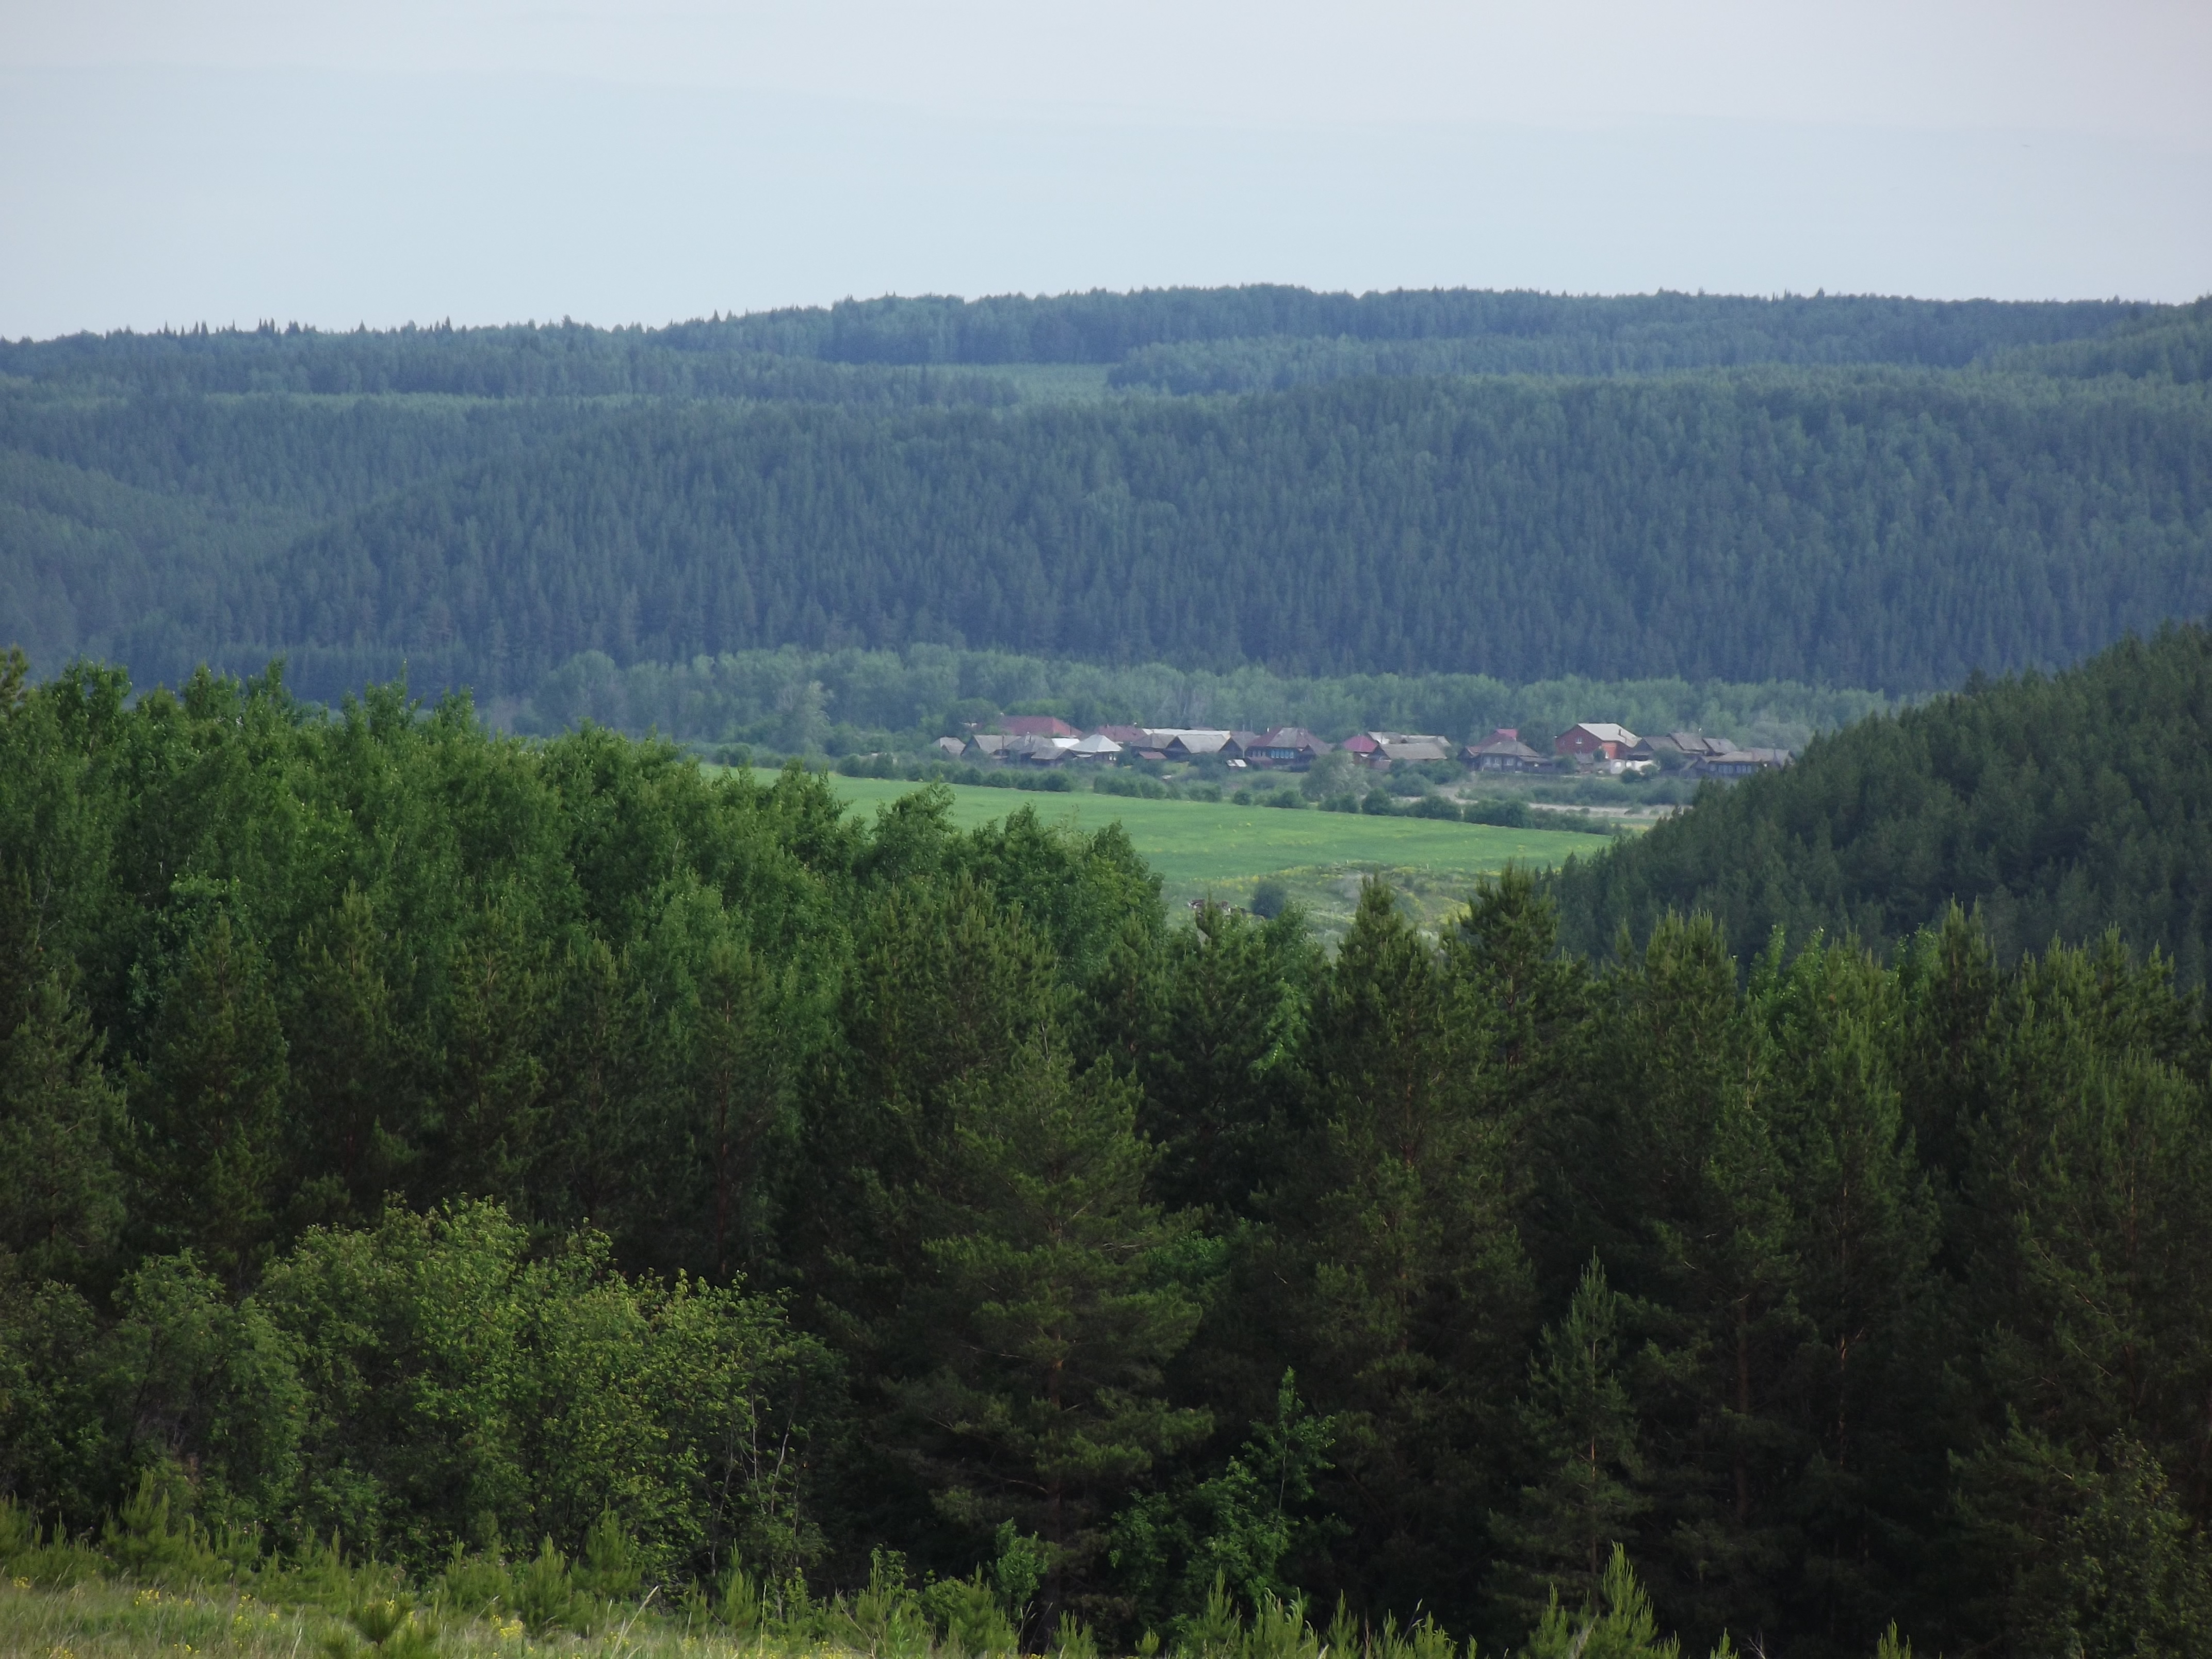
(1206, 850)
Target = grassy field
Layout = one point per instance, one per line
(109, 1620)
(1205, 850)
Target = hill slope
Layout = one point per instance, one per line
(1858, 492)
(2058, 807)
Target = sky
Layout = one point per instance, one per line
(336, 162)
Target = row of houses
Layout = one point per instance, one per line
(1615, 748)
(1047, 740)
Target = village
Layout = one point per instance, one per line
(1589, 747)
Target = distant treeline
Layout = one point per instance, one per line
(2054, 808)
(564, 360)
(1644, 337)
(1697, 330)
(445, 1144)
(800, 702)
(753, 355)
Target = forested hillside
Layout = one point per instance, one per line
(2055, 808)
(445, 1144)
(1871, 530)
(1879, 494)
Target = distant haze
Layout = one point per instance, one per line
(171, 163)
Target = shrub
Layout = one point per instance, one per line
(1505, 814)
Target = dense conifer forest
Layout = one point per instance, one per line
(2053, 807)
(448, 1142)
(1880, 494)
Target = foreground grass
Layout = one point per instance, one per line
(107, 1619)
(1221, 851)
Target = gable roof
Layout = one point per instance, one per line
(1039, 748)
(1417, 749)
(1198, 742)
(1036, 725)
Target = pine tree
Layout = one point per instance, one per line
(1521, 1008)
(943, 987)
(207, 1106)
(61, 1199)
(1866, 1232)
(1220, 1069)
(744, 1037)
(1406, 1292)
(1051, 1305)
(1690, 1184)
(1578, 1425)
(355, 1066)
(1616, 1622)
(491, 1086)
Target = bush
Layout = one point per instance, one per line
(1129, 783)
(967, 1611)
(1505, 814)
(143, 1544)
(612, 1569)
(49, 1560)
(1270, 898)
(473, 1584)
(1433, 807)
(1330, 775)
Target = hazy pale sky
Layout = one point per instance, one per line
(175, 161)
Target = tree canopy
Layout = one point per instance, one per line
(451, 1141)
